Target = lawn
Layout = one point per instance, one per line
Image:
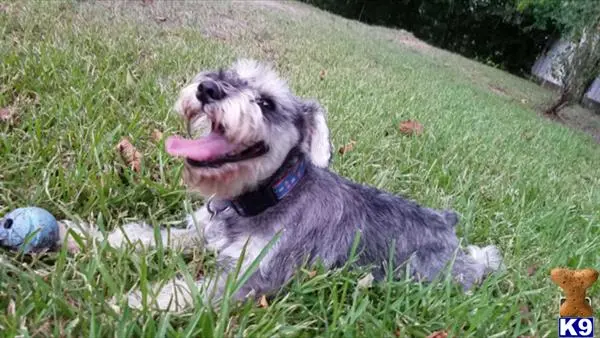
(79, 76)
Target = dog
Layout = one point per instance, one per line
(261, 155)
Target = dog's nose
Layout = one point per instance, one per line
(209, 91)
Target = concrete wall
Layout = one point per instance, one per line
(592, 97)
(548, 70)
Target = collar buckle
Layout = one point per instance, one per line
(215, 210)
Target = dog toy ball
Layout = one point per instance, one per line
(30, 229)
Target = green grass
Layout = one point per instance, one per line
(83, 75)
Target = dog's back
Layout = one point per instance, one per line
(382, 219)
(322, 216)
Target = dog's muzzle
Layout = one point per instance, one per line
(208, 147)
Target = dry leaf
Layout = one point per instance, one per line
(366, 282)
(46, 327)
(527, 135)
(397, 332)
(322, 74)
(129, 80)
(346, 148)
(161, 18)
(6, 114)
(525, 314)
(130, 155)
(12, 308)
(9, 115)
(532, 270)
(410, 127)
(263, 302)
(312, 274)
(157, 135)
(438, 334)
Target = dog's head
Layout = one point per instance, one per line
(243, 122)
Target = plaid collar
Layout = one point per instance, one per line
(274, 190)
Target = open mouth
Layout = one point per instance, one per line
(255, 150)
(213, 150)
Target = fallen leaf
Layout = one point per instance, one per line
(129, 80)
(346, 148)
(157, 135)
(532, 270)
(44, 328)
(410, 127)
(527, 135)
(12, 308)
(263, 302)
(161, 18)
(525, 314)
(397, 332)
(6, 114)
(438, 334)
(312, 274)
(366, 282)
(130, 155)
(322, 74)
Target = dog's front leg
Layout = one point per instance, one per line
(187, 238)
(66, 229)
(175, 295)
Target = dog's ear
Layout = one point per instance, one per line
(316, 140)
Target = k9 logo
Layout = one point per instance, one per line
(575, 327)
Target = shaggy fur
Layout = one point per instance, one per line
(318, 219)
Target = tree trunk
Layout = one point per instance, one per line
(581, 69)
(562, 101)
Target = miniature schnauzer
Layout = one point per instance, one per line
(260, 155)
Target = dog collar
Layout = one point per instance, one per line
(277, 187)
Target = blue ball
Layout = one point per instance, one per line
(20, 223)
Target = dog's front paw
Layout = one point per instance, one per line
(489, 256)
(134, 232)
(141, 233)
(174, 296)
(81, 229)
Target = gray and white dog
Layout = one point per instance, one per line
(261, 158)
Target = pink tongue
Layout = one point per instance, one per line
(206, 148)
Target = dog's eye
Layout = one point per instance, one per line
(266, 104)
(8, 223)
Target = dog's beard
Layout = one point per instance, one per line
(225, 182)
(230, 150)
(236, 134)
